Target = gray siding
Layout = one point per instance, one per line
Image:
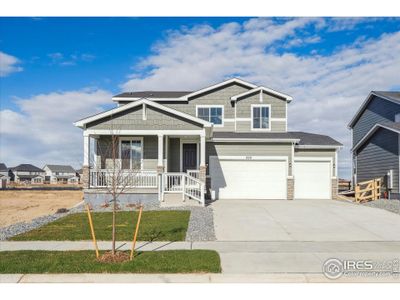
(174, 155)
(133, 119)
(245, 126)
(377, 156)
(250, 149)
(278, 106)
(377, 111)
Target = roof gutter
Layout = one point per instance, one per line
(256, 140)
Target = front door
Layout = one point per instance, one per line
(189, 157)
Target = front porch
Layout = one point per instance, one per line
(145, 164)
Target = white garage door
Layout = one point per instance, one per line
(248, 179)
(312, 179)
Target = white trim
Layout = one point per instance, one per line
(83, 122)
(336, 163)
(364, 105)
(160, 150)
(243, 119)
(318, 147)
(144, 112)
(229, 140)
(252, 157)
(370, 133)
(262, 89)
(142, 132)
(272, 119)
(188, 141)
(278, 119)
(269, 117)
(235, 117)
(133, 138)
(209, 107)
(86, 150)
(291, 161)
(229, 120)
(286, 116)
(215, 86)
(152, 99)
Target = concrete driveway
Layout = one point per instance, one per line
(302, 220)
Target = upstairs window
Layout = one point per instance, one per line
(213, 114)
(260, 117)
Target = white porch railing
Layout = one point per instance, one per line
(185, 184)
(138, 179)
(193, 173)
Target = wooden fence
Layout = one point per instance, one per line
(368, 190)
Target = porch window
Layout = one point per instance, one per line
(213, 114)
(260, 117)
(131, 151)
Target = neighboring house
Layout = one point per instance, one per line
(60, 174)
(231, 136)
(26, 173)
(79, 174)
(4, 173)
(376, 143)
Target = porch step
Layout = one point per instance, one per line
(175, 200)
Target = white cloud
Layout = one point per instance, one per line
(58, 58)
(327, 89)
(42, 132)
(8, 64)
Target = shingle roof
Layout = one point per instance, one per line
(27, 168)
(305, 137)
(3, 167)
(61, 168)
(154, 94)
(395, 96)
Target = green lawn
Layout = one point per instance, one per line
(174, 261)
(154, 226)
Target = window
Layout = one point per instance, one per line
(131, 154)
(213, 114)
(260, 117)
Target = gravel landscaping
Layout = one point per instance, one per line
(200, 228)
(389, 205)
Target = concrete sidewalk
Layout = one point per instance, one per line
(220, 246)
(251, 258)
(185, 278)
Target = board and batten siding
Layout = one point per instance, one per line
(379, 155)
(249, 149)
(174, 155)
(377, 111)
(155, 120)
(317, 153)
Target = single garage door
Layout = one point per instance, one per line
(248, 179)
(312, 179)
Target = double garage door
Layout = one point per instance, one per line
(262, 178)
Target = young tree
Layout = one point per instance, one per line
(118, 172)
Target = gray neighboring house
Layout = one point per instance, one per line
(4, 172)
(27, 173)
(225, 141)
(375, 137)
(60, 174)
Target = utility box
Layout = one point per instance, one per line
(389, 180)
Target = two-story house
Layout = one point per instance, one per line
(27, 173)
(60, 174)
(229, 140)
(4, 173)
(376, 144)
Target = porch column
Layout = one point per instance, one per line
(160, 162)
(202, 169)
(86, 158)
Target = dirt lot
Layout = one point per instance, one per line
(19, 206)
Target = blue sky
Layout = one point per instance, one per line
(56, 70)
